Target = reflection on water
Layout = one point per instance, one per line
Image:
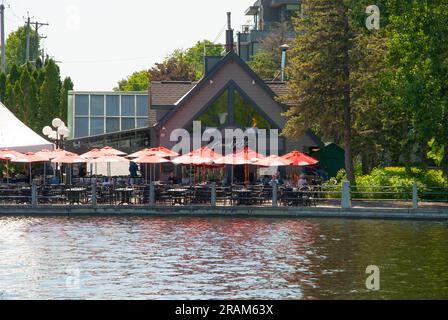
(191, 258)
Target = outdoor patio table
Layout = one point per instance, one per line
(124, 195)
(179, 195)
(74, 195)
(244, 197)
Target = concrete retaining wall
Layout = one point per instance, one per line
(207, 211)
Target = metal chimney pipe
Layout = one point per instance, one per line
(229, 34)
(284, 48)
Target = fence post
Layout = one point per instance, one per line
(414, 196)
(274, 194)
(346, 201)
(152, 194)
(33, 194)
(94, 196)
(213, 195)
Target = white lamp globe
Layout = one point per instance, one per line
(61, 130)
(47, 131)
(57, 123)
(64, 132)
(53, 135)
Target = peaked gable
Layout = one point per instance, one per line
(231, 69)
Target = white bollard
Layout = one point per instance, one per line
(346, 199)
(414, 197)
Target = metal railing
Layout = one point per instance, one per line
(344, 196)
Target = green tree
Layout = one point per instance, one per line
(138, 81)
(3, 79)
(267, 62)
(319, 89)
(49, 93)
(172, 69)
(194, 56)
(67, 86)
(417, 79)
(16, 47)
(27, 100)
(14, 74)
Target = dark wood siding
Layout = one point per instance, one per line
(230, 71)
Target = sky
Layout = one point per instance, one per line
(99, 42)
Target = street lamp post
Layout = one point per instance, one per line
(58, 135)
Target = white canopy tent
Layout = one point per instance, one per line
(15, 135)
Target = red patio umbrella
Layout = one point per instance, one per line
(150, 159)
(8, 155)
(30, 158)
(251, 155)
(274, 161)
(108, 159)
(192, 159)
(161, 152)
(207, 153)
(233, 160)
(300, 159)
(112, 151)
(69, 158)
(51, 154)
(92, 154)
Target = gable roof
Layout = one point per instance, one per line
(273, 89)
(167, 93)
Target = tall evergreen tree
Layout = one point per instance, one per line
(49, 93)
(14, 74)
(319, 90)
(67, 85)
(3, 79)
(28, 100)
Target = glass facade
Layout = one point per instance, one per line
(95, 114)
(245, 114)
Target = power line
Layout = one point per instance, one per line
(107, 61)
(220, 33)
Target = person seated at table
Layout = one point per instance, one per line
(172, 179)
(54, 180)
(303, 182)
(82, 172)
(274, 179)
(106, 181)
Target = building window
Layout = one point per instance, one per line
(246, 115)
(142, 122)
(81, 127)
(127, 124)
(97, 114)
(113, 106)
(96, 126)
(97, 106)
(128, 106)
(214, 115)
(112, 125)
(82, 105)
(142, 106)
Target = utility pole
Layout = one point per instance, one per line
(37, 26)
(28, 36)
(2, 36)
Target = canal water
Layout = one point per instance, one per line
(195, 258)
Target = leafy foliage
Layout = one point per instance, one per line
(181, 65)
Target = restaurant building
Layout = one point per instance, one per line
(229, 96)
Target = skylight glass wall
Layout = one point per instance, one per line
(93, 114)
